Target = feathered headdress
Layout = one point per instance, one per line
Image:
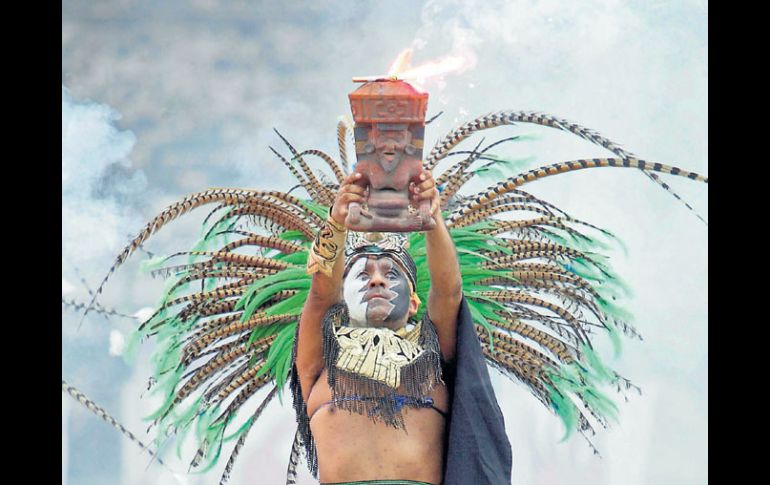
(538, 289)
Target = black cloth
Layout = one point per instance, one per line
(477, 448)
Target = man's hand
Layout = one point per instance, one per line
(426, 190)
(351, 190)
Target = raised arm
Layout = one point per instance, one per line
(446, 288)
(326, 264)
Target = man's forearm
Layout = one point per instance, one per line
(328, 289)
(445, 279)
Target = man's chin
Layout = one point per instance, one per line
(376, 320)
(384, 320)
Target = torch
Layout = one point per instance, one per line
(389, 117)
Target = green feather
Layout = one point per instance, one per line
(151, 264)
(614, 310)
(293, 235)
(597, 369)
(471, 275)
(472, 230)
(600, 404)
(183, 423)
(263, 331)
(614, 333)
(565, 409)
(239, 431)
(216, 436)
(463, 253)
(289, 278)
(321, 211)
(289, 274)
(165, 386)
(269, 291)
(279, 355)
(486, 301)
(299, 258)
(129, 352)
(292, 305)
(501, 168)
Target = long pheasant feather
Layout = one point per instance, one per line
(242, 438)
(99, 411)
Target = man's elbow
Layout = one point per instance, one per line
(322, 294)
(308, 370)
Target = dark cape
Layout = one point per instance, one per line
(477, 448)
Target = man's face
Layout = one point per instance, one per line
(377, 292)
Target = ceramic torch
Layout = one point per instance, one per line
(389, 117)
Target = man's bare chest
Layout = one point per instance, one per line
(354, 445)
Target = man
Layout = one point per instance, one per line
(371, 401)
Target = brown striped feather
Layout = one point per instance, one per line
(276, 217)
(207, 370)
(329, 160)
(272, 242)
(563, 350)
(305, 183)
(525, 373)
(519, 349)
(506, 296)
(323, 195)
(242, 438)
(342, 131)
(99, 411)
(226, 196)
(231, 409)
(235, 328)
(548, 170)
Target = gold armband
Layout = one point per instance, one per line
(328, 245)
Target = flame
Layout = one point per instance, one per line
(401, 68)
(438, 67)
(403, 60)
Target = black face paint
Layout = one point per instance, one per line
(401, 301)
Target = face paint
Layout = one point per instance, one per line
(353, 289)
(376, 291)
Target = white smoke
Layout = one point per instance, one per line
(143, 314)
(66, 287)
(98, 187)
(117, 343)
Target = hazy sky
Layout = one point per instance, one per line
(161, 99)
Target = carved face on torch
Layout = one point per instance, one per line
(390, 154)
(389, 129)
(389, 144)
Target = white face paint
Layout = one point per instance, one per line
(353, 289)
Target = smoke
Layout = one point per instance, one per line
(100, 189)
(66, 287)
(117, 343)
(645, 60)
